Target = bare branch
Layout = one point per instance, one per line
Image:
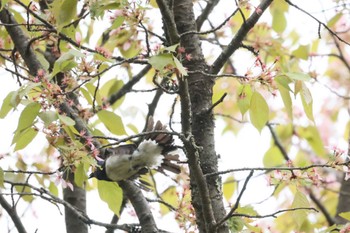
(235, 206)
(274, 214)
(11, 210)
(269, 169)
(318, 21)
(239, 37)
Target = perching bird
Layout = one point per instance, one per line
(131, 160)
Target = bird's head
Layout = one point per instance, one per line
(99, 171)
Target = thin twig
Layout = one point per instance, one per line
(217, 102)
(269, 169)
(235, 206)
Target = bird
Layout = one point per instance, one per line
(127, 162)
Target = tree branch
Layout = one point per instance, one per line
(234, 208)
(11, 210)
(168, 20)
(239, 37)
(140, 204)
(205, 13)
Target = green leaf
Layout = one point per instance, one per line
(2, 178)
(112, 121)
(298, 76)
(80, 175)
(279, 22)
(86, 95)
(312, 136)
(285, 90)
(244, 98)
(48, 117)
(25, 189)
(28, 115)
(172, 48)
(94, 92)
(229, 187)
(117, 22)
(170, 197)
(345, 215)
(302, 52)
(180, 67)
(161, 60)
(7, 105)
(307, 102)
(132, 50)
(3, 3)
(259, 111)
(111, 87)
(24, 138)
(235, 224)
(66, 62)
(300, 201)
(53, 189)
(66, 120)
(273, 157)
(66, 12)
(334, 19)
(284, 81)
(112, 194)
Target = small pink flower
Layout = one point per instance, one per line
(78, 38)
(181, 49)
(258, 11)
(36, 79)
(59, 180)
(188, 57)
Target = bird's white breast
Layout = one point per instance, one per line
(121, 167)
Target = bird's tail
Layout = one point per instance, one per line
(166, 141)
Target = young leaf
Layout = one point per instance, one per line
(345, 215)
(53, 189)
(161, 60)
(307, 102)
(244, 98)
(112, 121)
(300, 201)
(259, 111)
(302, 52)
(110, 193)
(66, 12)
(66, 120)
(279, 22)
(80, 175)
(273, 157)
(312, 136)
(6, 105)
(1, 178)
(170, 197)
(298, 76)
(28, 115)
(180, 67)
(235, 224)
(24, 138)
(285, 94)
(48, 117)
(229, 187)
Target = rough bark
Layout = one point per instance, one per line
(343, 201)
(77, 198)
(200, 92)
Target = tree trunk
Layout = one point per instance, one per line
(200, 91)
(77, 198)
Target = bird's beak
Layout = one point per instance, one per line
(92, 174)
